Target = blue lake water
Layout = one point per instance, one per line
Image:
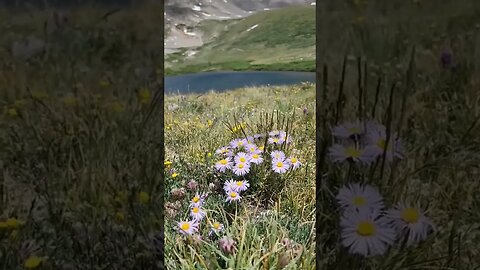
(227, 80)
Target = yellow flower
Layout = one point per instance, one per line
(3, 225)
(143, 197)
(144, 95)
(69, 101)
(14, 223)
(12, 112)
(36, 94)
(174, 175)
(167, 163)
(20, 103)
(210, 123)
(117, 107)
(104, 83)
(33, 262)
(120, 216)
(209, 154)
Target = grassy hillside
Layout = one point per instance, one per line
(283, 40)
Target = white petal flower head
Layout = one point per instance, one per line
(197, 200)
(242, 157)
(187, 227)
(366, 233)
(233, 196)
(274, 140)
(224, 164)
(238, 143)
(256, 158)
(377, 140)
(241, 186)
(410, 221)
(241, 168)
(223, 150)
(277, 155)
(349, 130)
(274, 133)
(280, 166)
(294, 162)
(229, 186)
(356, 196)
(340, 153)
(197, 213)
(215, 228)
(251, 148)
(250, 139)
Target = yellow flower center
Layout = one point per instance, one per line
(33, 262)
(242, 159)
(275, 140)
(355, 130)
(359, 201)
(185, 226)
(410, 215)
(239, 183)
(261, 148)
(216, 225)
(279, 164)
(223, 162)
(381, 143)
(252, 149)
(366, 228)
(233, 194)
(353, 152)
(255, 156)
(196, 199)
(293, 160)
(240, 166)
(240, 143)
(195, 210)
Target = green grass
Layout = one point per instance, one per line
(276, 44)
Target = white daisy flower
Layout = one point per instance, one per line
(242, 157)
(294, 162)
(187, 227)
(274, 140)
(197, 200)
(277, 154)
(366, 233)
(223, 165)
(229, 185)
(241, 168)
(377, 140)
(233, 196)
(340, 153)
(258, 136)
(215, 228)
(280, 166)
(222, 151)
(410, 221)
(238, 143)
(357, 196)
(197, 213)
(250, 139)
(274, 133)
(241, 186)
(256, 158)
(251, 148)
(349, 129)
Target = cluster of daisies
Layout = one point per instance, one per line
(242, 153)
(369, 229)
(197, 214)
(364, 142)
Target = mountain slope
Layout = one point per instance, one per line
(273, 37)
